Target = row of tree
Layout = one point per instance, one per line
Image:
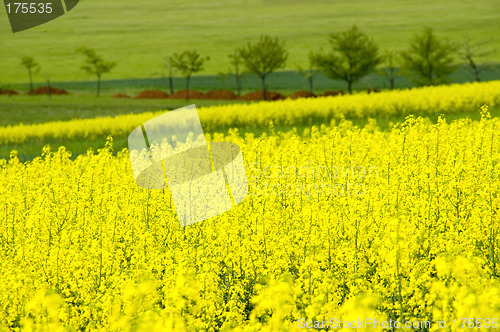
(352, 55)
(94, 64)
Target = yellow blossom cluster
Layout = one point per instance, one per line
(341, 223)
(422, 101)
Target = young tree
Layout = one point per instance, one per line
(390, 69)
(188, 63)
(95, 65)
(353, 56)
(49, 86)
(470, 52)
(169, 65)
(29, 63)
(310, 72)
(236, 69)
(236, 63)
(428, 60)
(49, 91)
(264, 57)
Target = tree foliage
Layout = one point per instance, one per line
(236, 70)
(471, 52)
(264, 57)
(32, 66)
(353, 55)
(188, 63)
(390, 69)
(429, 60)
(309, 72)
(95, 65)
(169, 65)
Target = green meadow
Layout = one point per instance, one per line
(139, 34)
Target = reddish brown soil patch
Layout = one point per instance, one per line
(8, 92)
(193, 94)
(151, 94)
(219, 95)
(121, 95)
(301, 94)
(333, 93)
(257, 95)
(45, 90)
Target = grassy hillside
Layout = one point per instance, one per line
(138, 34)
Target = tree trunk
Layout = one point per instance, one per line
(430, 76)
(98, 86)
(311, 84)
(392, 83)
(474, 68)
(476, 74)
(238, 85)
(171, 81)
(31, 81)
(187, 88)
(171, 85)
(49, 92)
(264, 92)
(349, 86)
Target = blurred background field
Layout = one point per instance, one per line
(139, 34)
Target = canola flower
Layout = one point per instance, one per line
(83, 248)
(423, 101)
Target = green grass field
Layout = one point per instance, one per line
(38, 109)
(138, 34)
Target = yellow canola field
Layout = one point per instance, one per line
(423, 101)
(341, 224)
